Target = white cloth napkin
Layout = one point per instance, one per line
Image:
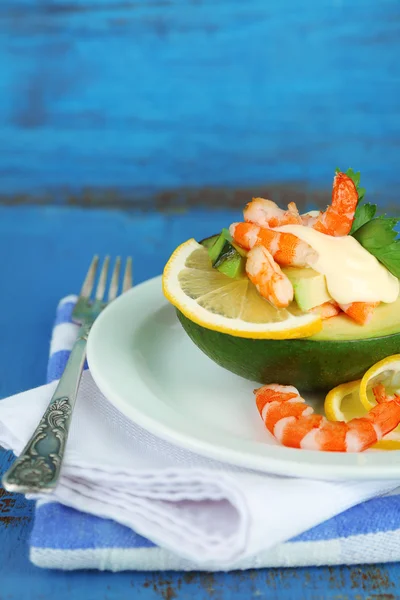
(205, 511)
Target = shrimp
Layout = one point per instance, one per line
(361, 312)
(338, 218)
(293, 422)
(326, 310)
(268, 278)
(286, 248)
(266, 213)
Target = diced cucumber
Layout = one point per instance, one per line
(226, 256)
(209, 241)
(230, 262)
(215, 250)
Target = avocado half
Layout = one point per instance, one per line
(341, 352)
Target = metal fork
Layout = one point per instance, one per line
(37, 469)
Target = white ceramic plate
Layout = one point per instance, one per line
(149, 369)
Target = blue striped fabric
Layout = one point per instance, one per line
(56, 365)
(64, 538)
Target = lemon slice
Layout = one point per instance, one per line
(386, 371)
(233, 306)
(343, 402)
(355, 399)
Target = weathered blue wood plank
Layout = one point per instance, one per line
(41, 261)
(120, 101)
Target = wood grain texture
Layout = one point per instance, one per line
(42, 262)
(119, 102)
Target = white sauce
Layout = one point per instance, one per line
(352, 273)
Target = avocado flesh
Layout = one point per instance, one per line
(385, 322)
(309, 287)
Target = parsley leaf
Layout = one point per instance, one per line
(355, 177)
(361, 193)
(377, 232)
(363, 214)
(379, 238)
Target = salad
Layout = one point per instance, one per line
(279, 275)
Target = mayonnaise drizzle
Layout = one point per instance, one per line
(352, 273)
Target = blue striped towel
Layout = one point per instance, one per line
(64, 538)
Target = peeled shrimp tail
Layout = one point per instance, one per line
(294, 212)
(338, 218)
(286, 248)
(293, 423)
(268, 278)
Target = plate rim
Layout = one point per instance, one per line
(277, 460)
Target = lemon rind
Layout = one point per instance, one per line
(380, 366)
(336, 395)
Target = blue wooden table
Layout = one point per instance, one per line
(127, 127)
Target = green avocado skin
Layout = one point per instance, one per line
(311, 366)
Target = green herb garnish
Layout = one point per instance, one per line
(379, 238)
(363, 214)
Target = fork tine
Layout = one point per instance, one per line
(113, 291)
(128, 281)
(101, 286)
(87, 286)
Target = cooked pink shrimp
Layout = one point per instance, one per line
(338, 218)
(327, 310)
(361, 312)
(266, 213)
(286, 248)
(293, 422)
(268, 278)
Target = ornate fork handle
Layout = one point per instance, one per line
(37, 469)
